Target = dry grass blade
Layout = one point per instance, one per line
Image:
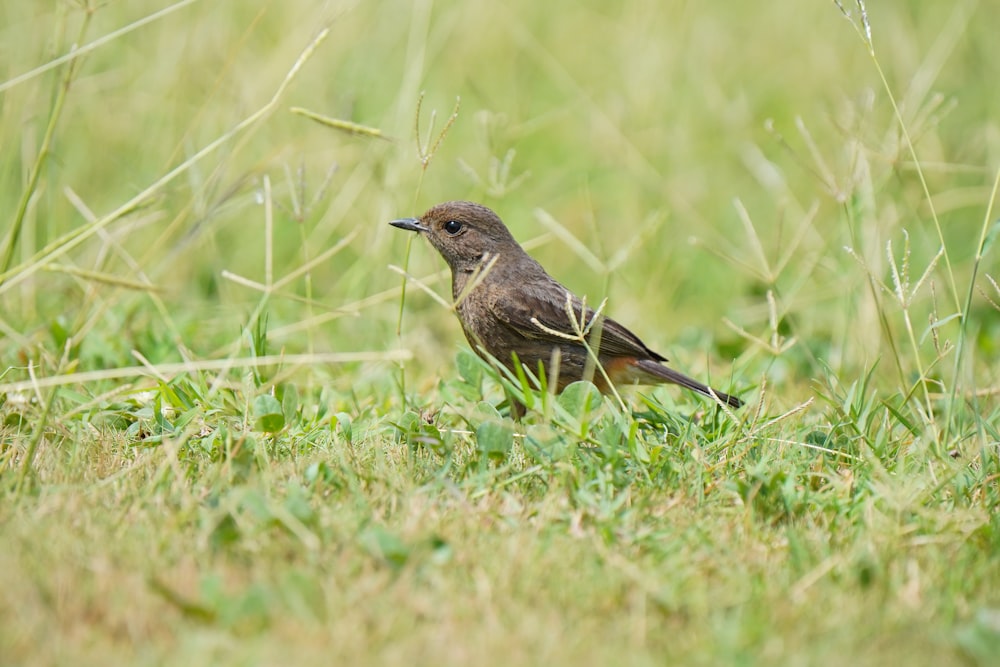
(173, 369)
(69, 241)
(347, 126)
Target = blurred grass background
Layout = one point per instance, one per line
(645, 121)
(716, 159)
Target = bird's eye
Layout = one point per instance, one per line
(453, 227)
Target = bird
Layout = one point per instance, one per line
(512, 310)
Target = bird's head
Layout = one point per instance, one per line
(464, 233)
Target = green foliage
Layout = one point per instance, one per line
(267, 414)
(494, 439)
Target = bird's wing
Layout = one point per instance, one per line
(537, 311)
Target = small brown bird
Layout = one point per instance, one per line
(509, 305)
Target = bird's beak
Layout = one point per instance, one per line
(409, 224)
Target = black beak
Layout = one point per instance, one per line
(409, 224)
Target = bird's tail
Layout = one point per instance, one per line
(663, 373)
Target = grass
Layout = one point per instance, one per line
(233, 433)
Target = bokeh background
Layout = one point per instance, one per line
(704, 154)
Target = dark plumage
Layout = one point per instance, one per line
(507, 304)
